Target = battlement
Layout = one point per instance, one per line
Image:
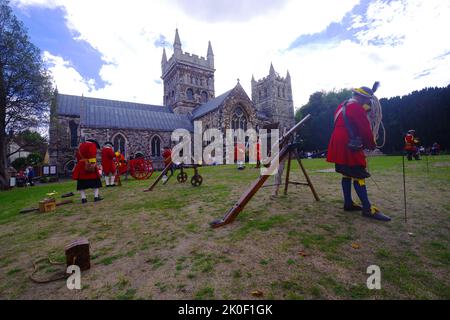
(268, 78)
(190, 59)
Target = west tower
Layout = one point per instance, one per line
(272, 96)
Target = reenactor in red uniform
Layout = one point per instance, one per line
(352, 134)
(167, 155)
(86, 171)
(411, 145)
(109, 168)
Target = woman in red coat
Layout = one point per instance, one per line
(86, 171)
(351, 163)
(108, 166)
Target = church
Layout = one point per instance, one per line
(189, 95)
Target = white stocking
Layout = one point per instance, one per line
(111, 179)
(96, 192)
(83, 194)
(107, 180)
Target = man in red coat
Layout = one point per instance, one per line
(86, 171)
(167, 155)
(411, 145)
(350, 121)
(109, 168)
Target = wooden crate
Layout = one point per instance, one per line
(47, 205)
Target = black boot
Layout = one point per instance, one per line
(83, 201)
(353, 207)
(96, 199)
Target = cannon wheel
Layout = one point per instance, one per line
(182, 177)
(141, 170)
(197, 180)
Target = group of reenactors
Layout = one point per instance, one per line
(88, 173)
(350, 118)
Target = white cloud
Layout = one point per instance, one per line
(125, 34)
(66, 77)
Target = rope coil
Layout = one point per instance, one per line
(55, 277)
(375, 117)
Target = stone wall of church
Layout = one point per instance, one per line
(272, 95)
(61, 152)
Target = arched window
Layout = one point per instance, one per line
(190, 94)
(204, 96)
(119, 143)
(73, 127)
(239, 119)
(156, 146)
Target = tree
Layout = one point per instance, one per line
(25, 84)
(321, 105)
(33, 159)
(30, 141)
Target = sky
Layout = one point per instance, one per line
(112, 49)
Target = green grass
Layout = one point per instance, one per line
(161, 241)
(205, 293)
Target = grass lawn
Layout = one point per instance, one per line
(159, 245)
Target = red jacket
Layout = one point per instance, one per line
(167, 155)
(338, 151)
(107, 161)
(86, 151)
(410, 143)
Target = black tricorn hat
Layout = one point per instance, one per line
(94, 141)
(108, 143)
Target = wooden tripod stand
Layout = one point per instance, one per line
(292, 151)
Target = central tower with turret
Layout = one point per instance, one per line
(188, 79)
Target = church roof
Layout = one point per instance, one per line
(210, 106)
(101, 116)
(69, 105)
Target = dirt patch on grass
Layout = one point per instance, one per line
(159, 245)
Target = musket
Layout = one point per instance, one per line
(231, 215)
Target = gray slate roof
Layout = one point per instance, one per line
(101, 116)
(69, 105)
(210, 106)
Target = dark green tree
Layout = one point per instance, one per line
(25, 85)
(34, 159)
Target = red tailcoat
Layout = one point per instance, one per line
(410, 143)
(107, 161)
(167, 155)
(86, 150)
(338, 151)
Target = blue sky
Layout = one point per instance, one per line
(103, 48)
(48, 30)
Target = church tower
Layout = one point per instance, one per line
(272, 96)
(188, 79)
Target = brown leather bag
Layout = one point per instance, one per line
(89, 167)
